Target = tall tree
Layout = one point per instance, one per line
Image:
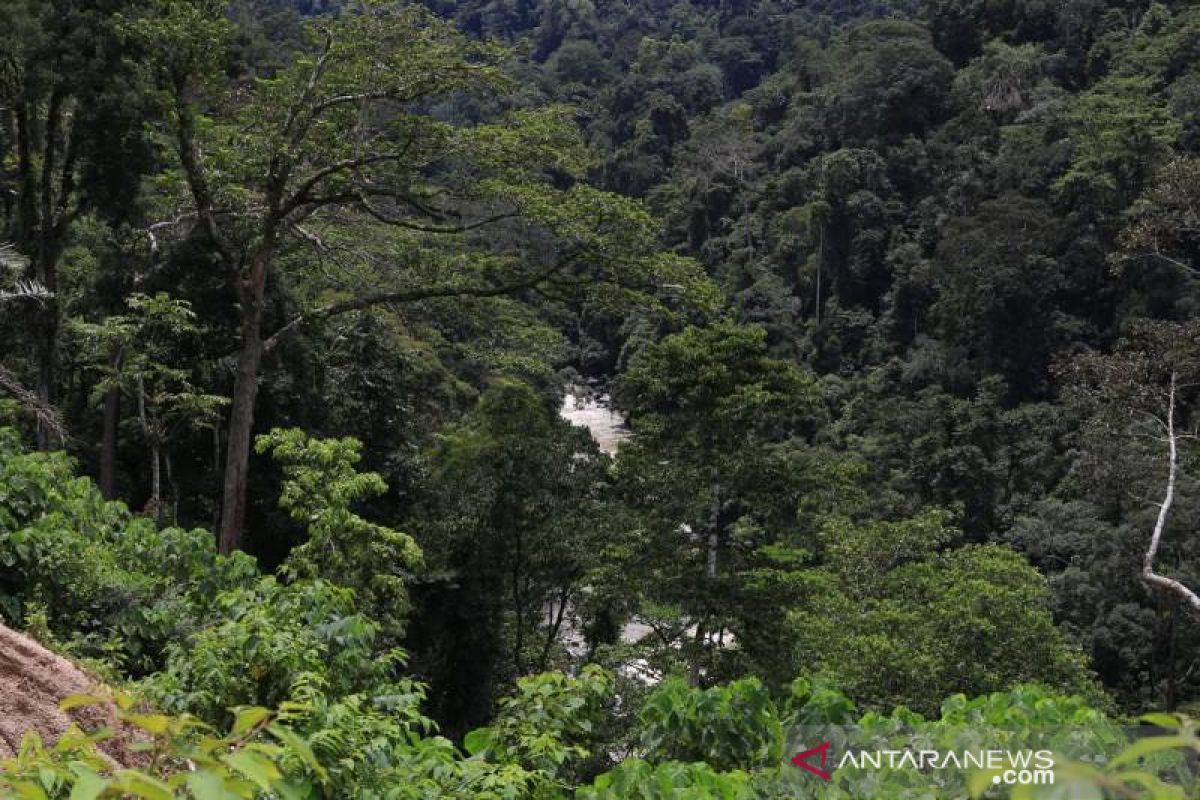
(520, 513)
(72, 133)
(353, 136)
(713, 465)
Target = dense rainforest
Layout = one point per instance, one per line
(900, 300)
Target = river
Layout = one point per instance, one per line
(607, 426)
(609, 429)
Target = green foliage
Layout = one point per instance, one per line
(144, 341)
(360, 740)
(520, 515)
(731, 726)
(1121, 131)
(355, 749)
(667, 781)
(181, 757)
(320, 485)
(263, 640)
(717, 459)
(706, 388)
(113, 584)
(550, 725)
(862, 552)
(894, 82)
(135, 355)
(850, 360)
(975, 619)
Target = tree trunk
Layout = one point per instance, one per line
(108, 445)
(45, 330)
(45, 351)
(148, 432)
(50, 231)
(518, 605)
(110, 437)
(156, 482)
(556, 621)
(710, 564)
(241, 416)
(698, 640)
(241, 430)
(1172, 698)
(820, 268)
(174, 487)
(714, 525)
(1155, 581)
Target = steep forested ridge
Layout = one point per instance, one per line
(898, 299)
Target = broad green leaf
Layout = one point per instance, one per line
(141, 785)
(477, 741)
(154, 724)
(206, 785)
(255, 767)
(88, 785)
(78, 700)
(247, 718)
(1154, 744)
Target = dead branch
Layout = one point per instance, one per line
(1152, 579)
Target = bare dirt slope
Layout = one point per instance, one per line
(32, 682)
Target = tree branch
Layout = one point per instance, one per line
(306, 95)
(399, 222)
(1173, 262)
(1162, 583)
(195, 175)
(302, 196)
(412, 296)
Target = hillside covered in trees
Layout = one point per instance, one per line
(900, 302)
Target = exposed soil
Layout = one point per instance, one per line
(33, 681)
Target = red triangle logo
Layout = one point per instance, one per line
(801, 760)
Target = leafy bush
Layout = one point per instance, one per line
(640, 780)
(551, 725)
(269, 637)
(320, 485)
(732, 726)
(111, 584)
(180, 757)
(974, 619)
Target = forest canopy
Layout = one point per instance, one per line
(890, 307)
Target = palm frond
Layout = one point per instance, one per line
(10, 259)
(47, 418)
(26, 290)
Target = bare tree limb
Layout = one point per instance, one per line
(1166, 259)
(1162, 583)
(316, 241)
(309, 87)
